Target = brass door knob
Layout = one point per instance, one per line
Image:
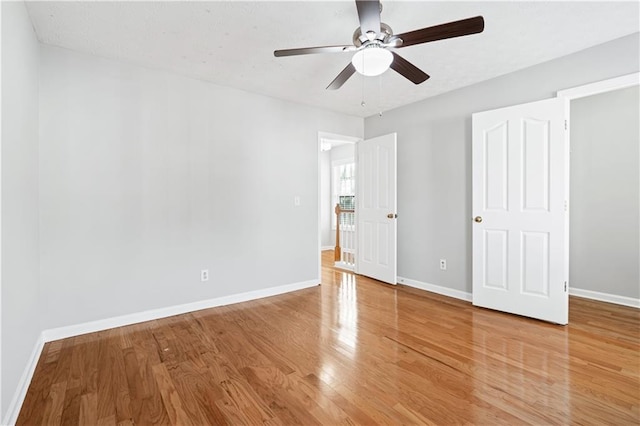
(478, 219)
(392, 216)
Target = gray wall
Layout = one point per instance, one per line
(19, 262)
(605, 193)
(147, 177)
(434, 155)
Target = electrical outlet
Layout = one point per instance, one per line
(204, 275)
(296, 201)
(443, 264)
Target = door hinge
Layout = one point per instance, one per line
(565, 286)
(565, 124)
(566, 205)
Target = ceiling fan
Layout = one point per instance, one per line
(373, 39)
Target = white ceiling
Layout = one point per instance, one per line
(231, 43)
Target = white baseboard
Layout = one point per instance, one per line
(104, 324)
(445, 291)
(18, 397)
(605, 297)
(153, 314)
(578, 292)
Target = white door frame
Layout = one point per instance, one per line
(596, 88)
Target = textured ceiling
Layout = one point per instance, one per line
(231, 43)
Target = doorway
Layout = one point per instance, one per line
(365, 225)
(335, 152)
(605, 190)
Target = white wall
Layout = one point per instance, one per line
(147, 177)
(434, 155)
(605, 193)
(20, 315)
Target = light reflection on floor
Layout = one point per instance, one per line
(342, 309)
(348, 311)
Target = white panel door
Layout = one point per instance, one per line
(520, 224)
(376, 208)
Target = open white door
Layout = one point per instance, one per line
(520, 196)
(376, 208)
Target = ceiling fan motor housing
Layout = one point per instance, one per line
(385, 32)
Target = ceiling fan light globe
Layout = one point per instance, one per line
(372, 61)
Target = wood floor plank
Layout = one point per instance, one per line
(199, 393)
(353, 412)
(324, 408)
(71, 409)
(241, 397)
(288, 410)
(105, 380)
(88, 409)
(54, 405)
(42, 393)
(350, 351)
(170, 397)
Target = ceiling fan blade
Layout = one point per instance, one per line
(342, 77)
(440, 32)
(407, 69)
(310, 50)
(369, 14)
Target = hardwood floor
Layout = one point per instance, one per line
(351, 351)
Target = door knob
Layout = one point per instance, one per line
(478, 219)
(392, 216)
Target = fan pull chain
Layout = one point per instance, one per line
(362, 104)
(380, 95)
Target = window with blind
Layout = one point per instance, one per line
(343, 191)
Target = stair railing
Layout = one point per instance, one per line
(344, 252)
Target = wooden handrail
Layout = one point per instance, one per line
(337, 254)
